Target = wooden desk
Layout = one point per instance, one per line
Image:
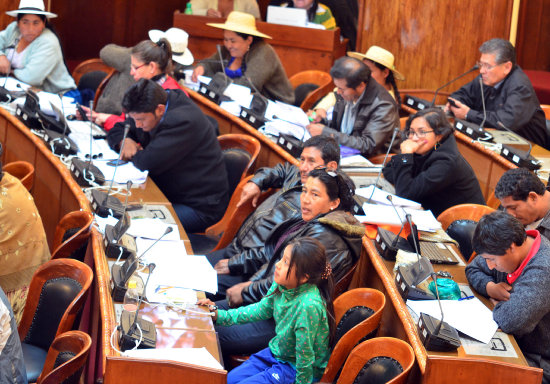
(270, 154)
(56, 193)
(435, 367)
(300, 49)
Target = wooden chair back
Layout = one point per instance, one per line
(546, 110)
(322, 79)
(381, 346)
(23, 170)
(66, 358)
(103, 84)
(366, 297)
(79, 223)
(54, 269)
(233, 218)
(463, 212)
(246, 143)
(95, 64)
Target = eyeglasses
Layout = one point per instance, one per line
(486, 66)
(420, 134)
(138, 67)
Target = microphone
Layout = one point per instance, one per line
(219, 49)
(471, 129)
(517, 156)
(85, 172)
(255, 115)
(28, 112)
(441, 337)
(387, 243)
(5, 95)
(117, 244)
(121, 273)
(482, 103)
(137, 332)
(60, 143)
(407, 278)
(220, 81)
(474, 68)
(103, 203)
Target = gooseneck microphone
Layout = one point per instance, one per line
(517, 156)
(394, 135)
(475, 67)
(482, 103)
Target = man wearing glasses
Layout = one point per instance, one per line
(510, 100)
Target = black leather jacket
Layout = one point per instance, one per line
(247, 247)
(338, 231)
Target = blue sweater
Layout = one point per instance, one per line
(43, 65)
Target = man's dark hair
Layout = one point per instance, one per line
(352, 70)
(144, 97)
(329, 148)
(502, 49)
(495, 233)
(517, 183)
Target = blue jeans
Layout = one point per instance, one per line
(262, 367)
(191, 219)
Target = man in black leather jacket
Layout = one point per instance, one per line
(510, 99)
(365, 114)
(241, 259)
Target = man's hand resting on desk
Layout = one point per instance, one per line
(234, 294)
(498, 292)
(250, 192)
(460, 111)
(315, 129)
(222, 267)
(5, 66)
(130, 149)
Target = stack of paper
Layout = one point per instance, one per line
(196, 356)
(153, 229)
(124, 173)
(381, 197)
(386, 214)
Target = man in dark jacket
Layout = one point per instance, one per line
(365, 114)
(175, 142)
(242, 258)
(510, 99)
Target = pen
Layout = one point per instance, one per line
(466, 298)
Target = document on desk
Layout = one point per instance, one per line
(386, 214)
(124, 172)
(161, 248)
(381, 197)
(193, 272)
(13, 85)
(499, 346)
(153, 229)
(100, 149)
(195, 356)
(470, 317)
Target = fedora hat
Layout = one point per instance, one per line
(240, 22)
(380, 56)
(178, 40)
(34, 7)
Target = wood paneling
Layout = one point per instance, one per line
(7, 5)
(433, 41)
(534, 35)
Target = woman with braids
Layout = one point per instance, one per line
(300, 302)
(326, 200)
(30, 50)
(381, 65)
(150, 59)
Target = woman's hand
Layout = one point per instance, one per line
(317, 115)
(198, 71)
(5, 66)
(410, 146)
(211, 306)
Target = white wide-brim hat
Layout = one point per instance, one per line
(178, 40)
(381, 56)
(240, 22)
(33, 7)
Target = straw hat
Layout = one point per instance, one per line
(178, 40)
(240, 22)
(34, 7)
(380, 56)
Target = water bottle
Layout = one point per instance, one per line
(131, 298)
(188, 9)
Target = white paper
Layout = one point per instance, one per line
(194, 272)
(287, 112)
(152, 229)
(100, 148)
(277, 126)
(381, 197)
(470, 317)
(103, 221)
(11, 84)
(232, 107)
(124, 172)
(499, 346)
(196, 356)
(238, 93)
(46, 98)
(169, 294)
(163, 247)
(356, 161)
